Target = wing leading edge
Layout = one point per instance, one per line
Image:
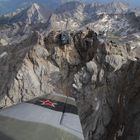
(50, 117)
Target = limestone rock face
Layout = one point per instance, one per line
(3, 42)
(104, 79)
(25, 72)
(35, 67)
(107, 91)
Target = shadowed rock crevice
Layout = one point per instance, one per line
(5, 137)
(125, 111)
(108, 93)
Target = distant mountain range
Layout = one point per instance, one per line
(77, 15)
(115, 16)
(12, 5)
(7, 6)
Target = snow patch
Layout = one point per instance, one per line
(4, 54)
(36, 6)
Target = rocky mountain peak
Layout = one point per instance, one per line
(35, 6)
(70, 6)
(95, 4)
(119, 5)
(32, 15)
(37, 13)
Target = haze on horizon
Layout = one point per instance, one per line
(134, 3)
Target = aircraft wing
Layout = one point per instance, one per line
(50, 117)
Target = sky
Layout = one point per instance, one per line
(132, 3)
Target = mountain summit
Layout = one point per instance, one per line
(36, 13)
(32, 15)
(117, 7)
